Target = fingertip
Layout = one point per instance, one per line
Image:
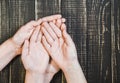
(63, 20)
(59, 15)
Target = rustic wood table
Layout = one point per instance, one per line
(93, 24)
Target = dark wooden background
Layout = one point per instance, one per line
(93, 24)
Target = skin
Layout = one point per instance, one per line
(51, 71)
(55, 41)
(63, 52)
(53, 68)
(14, 44)
(35, 58)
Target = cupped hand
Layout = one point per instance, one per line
(26, 30)
(59, 44)
(34, 56)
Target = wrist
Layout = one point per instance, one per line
(17, 47)
(37, 74)
(74, 73)
(71, 66)
(34, 77)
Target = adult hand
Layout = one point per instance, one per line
(34, 56)
(63, 52)
(53, 68)
(25, 31)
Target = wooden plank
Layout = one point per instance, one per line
(115, 43)
(93, 24)
(46, 8)
(0, 17)
(75, 13)
(4, 74)
(117, 30)
(20, 12)
(98, 41)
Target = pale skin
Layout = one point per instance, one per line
(51, 69)
(35, 58)
(14, 44)
(55, 38)
(63, 52)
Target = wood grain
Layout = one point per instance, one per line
(94, 25)
(4, 74)
(46, 8)
(21, 12)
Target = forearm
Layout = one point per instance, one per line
(7, 52)
(34, 78)
(74, 73)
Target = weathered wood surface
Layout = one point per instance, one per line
(93, 24)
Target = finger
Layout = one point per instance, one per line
(58, 23)
(35, 34)
(45, 43)
(55, 29)
(51, 18)
(39, 37)
(63, 27)
(49, 30)
(61, 41)
(47, 36)
(68, 40)
(54, 21)
(25, 49)
(63, 20)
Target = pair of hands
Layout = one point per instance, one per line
(45, 38)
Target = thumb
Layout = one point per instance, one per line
(67, 38)
(25, 49)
